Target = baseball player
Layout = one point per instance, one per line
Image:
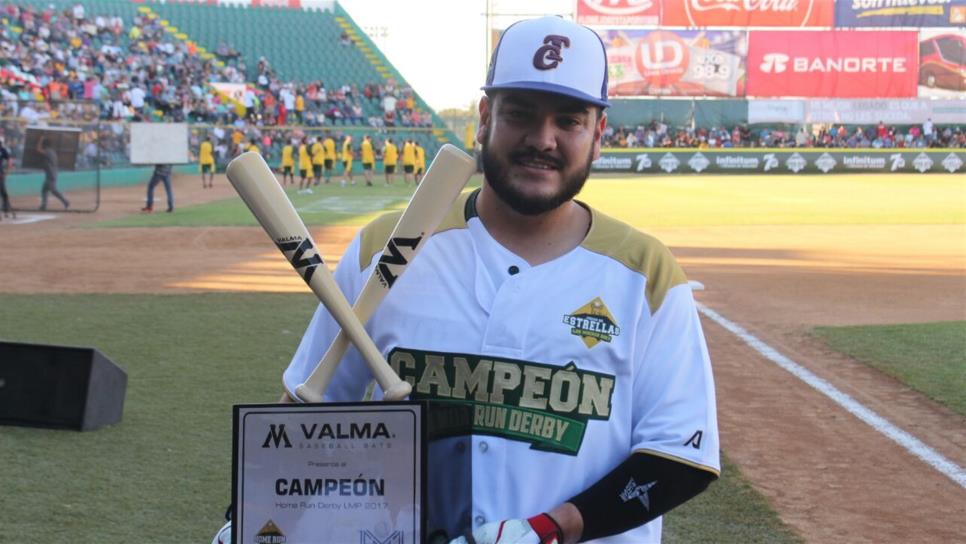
(206, 160)
(318, 160)
(390, 155)
(329, 145)
(288, 163)
(347, 160)
(573, 336)
(420, 162)
(368, 158)
(408, 161)
(305, 167)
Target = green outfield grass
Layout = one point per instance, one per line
(929, 357)
(327, 205)
(654, 201)
(163, 473)
(667, 201)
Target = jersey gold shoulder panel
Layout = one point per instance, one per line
(375, 235)
(639, 252)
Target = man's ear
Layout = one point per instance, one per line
(599, 132)
(483, 129)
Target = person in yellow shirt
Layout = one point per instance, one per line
(318, 159)
(329, 144)
(408, 161)
(420, 162)
(368, 158)
(206, 159)
(305, 166)
(252, 146)
(347, 160)
(288, 164)
(300, 108)
(390, 154)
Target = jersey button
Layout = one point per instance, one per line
(513, 270)
(479, 520)
(460, 447)
(484, 446)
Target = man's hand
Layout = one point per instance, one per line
(540, 529)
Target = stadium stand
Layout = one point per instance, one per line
(241, 73)
(125, 61)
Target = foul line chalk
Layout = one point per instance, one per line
(910, 443)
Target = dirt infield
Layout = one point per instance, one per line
(832, 477)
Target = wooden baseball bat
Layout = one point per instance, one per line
(260, 191)
(444, 179)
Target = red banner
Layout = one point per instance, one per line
(618, 12)
(701, 13)
(837, 64)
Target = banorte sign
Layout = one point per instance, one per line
(833, 64)
(792, 13)
(618, 12)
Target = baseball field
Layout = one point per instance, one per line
(834, 307)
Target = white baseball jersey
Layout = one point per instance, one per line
(570, 366)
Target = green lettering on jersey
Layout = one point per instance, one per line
(546, 405)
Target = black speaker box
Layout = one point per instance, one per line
(59, 387)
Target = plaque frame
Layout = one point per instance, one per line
(294, 412)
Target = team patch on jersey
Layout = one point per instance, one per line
(593, 323)
(548, 406)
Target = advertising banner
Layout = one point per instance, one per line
(834, 64)
(778, 161)
(675, 63)
(618, 12)
(776, 111)
(792, 13)
(908, 13)
(891, 112)
(942, 63)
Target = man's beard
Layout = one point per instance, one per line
(496, 174)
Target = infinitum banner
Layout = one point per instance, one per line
(779, 161)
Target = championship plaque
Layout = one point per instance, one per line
(329, 473)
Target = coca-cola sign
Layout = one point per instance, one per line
(618, 12)
(792, 13)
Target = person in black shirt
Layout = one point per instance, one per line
(49, 158)
(4, 198)
(162, 174)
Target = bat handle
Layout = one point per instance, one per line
(313, 388)
(397, 391)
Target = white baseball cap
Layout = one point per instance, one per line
(553, 55)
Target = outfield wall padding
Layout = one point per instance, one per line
(779, 161)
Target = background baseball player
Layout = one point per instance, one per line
(206, 161)
(287, 164)
(574, 337)
(390, 154)
(368, 158)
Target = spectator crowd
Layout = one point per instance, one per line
(88, 67)
(658, 134)
(138, 71)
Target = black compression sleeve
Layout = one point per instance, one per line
(642, 488)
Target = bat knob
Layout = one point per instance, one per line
(399, 391)
(306, 395)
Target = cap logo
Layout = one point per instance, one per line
(548, 56)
